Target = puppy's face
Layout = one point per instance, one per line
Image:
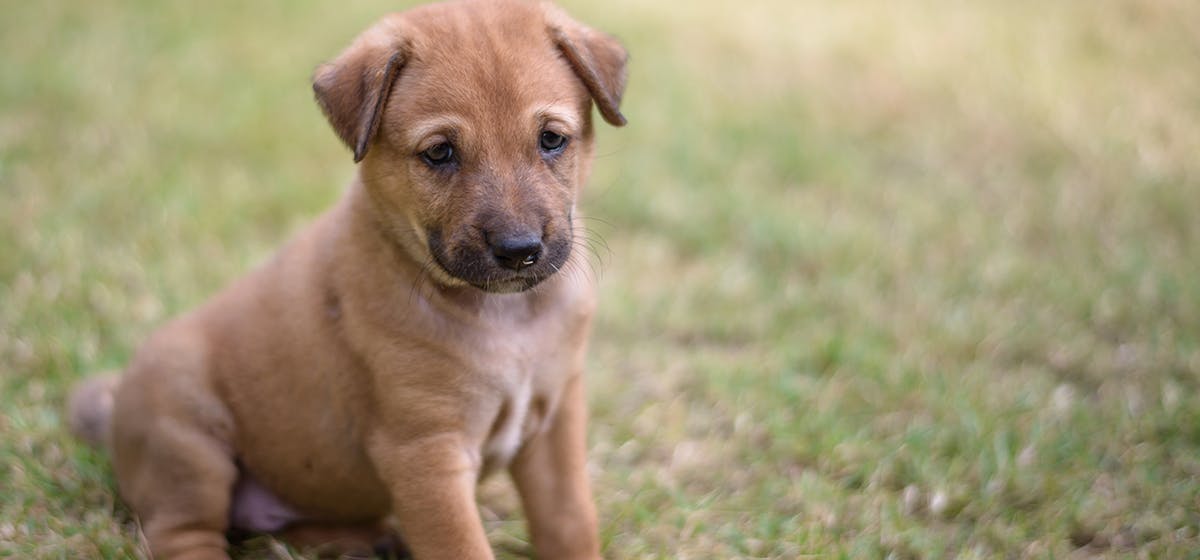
(480, 136)
(485, 135)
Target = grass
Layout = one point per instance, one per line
(913, 279)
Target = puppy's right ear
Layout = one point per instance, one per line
(598, 59)
(353, 89)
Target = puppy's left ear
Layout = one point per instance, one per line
(353, 89)
(598, 59)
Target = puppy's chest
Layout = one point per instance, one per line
(524, 390)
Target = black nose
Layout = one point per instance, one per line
(515, 251)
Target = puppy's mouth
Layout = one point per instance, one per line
(482, 267)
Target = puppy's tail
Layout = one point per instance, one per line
(89, 408)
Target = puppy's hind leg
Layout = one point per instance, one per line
(173, 455)
(364, 540)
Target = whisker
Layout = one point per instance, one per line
(592, 236)
(591, 242)
(593, 259)
(581, 274)
(591, 246)
(597, 219)
(422, 275)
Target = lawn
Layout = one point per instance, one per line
(914, 279)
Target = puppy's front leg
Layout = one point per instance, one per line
(551, 475)
(432, 484)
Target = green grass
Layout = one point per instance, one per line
(910, 279)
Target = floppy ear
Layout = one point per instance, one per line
(598, 59)
(353, 89)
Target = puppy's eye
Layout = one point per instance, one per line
(552, 141)
(439, 155)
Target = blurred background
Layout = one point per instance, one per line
(908, 279)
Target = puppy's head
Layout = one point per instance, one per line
(471, 121)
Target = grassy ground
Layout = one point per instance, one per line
(907, 279)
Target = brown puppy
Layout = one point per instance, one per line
(419, 334)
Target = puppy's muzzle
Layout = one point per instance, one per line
(514, 251)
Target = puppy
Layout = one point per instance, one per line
(418, 335)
